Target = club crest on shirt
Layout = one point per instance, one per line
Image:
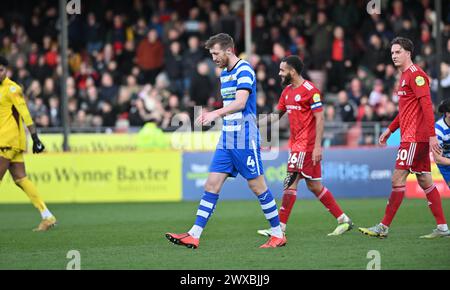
(316, 97)
(12, 89)
(297, 98)
(420, 81)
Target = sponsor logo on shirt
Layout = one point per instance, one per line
(293, 107)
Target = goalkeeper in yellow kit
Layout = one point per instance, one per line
(13, 114)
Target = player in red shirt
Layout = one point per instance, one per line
(416, 122)
(303, 103)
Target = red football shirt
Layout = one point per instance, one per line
(414, 84)
(300, 104)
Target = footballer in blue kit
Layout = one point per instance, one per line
(238, 149)
(442, 128)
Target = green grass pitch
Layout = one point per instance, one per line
(131, 236)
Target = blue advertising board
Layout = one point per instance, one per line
(347, 173)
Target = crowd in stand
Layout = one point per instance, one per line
(132, 62)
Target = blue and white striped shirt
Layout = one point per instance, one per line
(239, 129)
(443, 135)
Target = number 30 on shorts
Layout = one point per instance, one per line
(402, 154)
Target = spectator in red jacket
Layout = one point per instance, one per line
(150, 56)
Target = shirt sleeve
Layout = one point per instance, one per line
(245, 78)
(427, 108)
(395, 124)
(420, 84)
(15, 93)
(315, 101)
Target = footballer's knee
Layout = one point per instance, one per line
(212, 187)
(214, 182)
(399, 178)
(257, 185)
(424, 180)
(314, 186)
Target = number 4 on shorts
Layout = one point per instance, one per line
(250, 162)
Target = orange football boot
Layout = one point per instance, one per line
(183, 239)
(275, 242)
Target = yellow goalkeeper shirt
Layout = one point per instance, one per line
(13, 113)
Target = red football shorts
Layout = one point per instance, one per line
(414, 157)
(302, 163)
